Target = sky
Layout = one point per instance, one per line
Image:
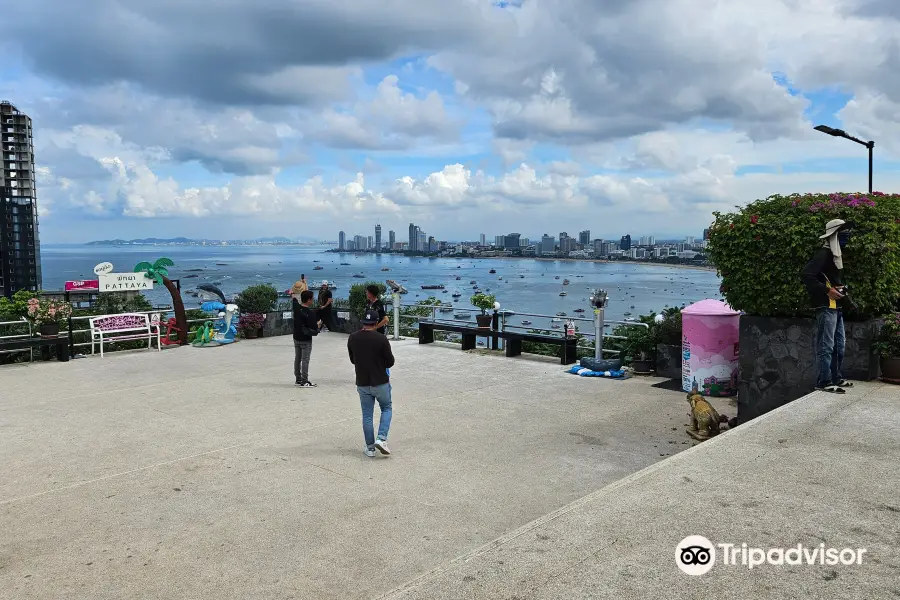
(300, 118)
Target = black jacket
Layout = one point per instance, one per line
(814, 277)
(304, 317)
(370, 352)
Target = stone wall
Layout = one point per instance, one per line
(778, 363)
(278, 323)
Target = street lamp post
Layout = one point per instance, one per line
(841, 133)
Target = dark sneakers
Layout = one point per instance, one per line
(306, 384)
(831, 389)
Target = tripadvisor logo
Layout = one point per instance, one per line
(696, 555)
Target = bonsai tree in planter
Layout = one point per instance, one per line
(48, 314)
(888, 347)
(253, 303)
(485, 302)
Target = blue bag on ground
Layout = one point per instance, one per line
(594, 364)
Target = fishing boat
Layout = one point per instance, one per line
(627, 314)
(492, 271)
(563, 294)
(579, 310)
(560, 314)
(359, 276)
(345, 264)
(433, 286)
(521, 277)
(554, 326)
(462, 315)
(556, 320)
(385, 269)
(630, 319)
(500, 278)
(458, 277)
(565, 282)
(557, 277)
(318, 268)
(526, 322)
(446, 308)
(456, 294)
(473, 282)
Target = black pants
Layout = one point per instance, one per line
(328, 320)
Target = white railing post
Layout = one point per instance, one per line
(396, 315)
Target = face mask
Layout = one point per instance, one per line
(843, 238)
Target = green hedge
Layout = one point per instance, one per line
(761, 249)
(357, 298)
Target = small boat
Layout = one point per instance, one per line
(579, 310)
(345, 264)
(456, 294)
(557, 277)
(565, 282)
(554, 326)
(318, 268)
(632, 306)
(458, 277)
(627, 314)
(473, 282)
(359, 276)
(385, 269)
(556, 320)
(458, 267)
(434, 286)
(521, 277)
(560, 314)
(444, 292)
(506, 311)
(462, 315)
(526, 322)
(446, 308)
(500, 278)
(492, 271)
(563, 294)
(630, 319)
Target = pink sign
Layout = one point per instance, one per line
(79, 286)
(710, 348)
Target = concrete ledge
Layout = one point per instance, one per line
(820, 470)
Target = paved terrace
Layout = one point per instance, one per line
(204, 473)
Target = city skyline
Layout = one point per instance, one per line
(509, 113)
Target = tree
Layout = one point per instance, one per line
(159, 272)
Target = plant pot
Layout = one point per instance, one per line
(890, 369)
(48, 329)
(642, 366)
(484, 321)
(250, 334)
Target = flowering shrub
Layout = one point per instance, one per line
(888, 344)
(760, 251)
(41, 312)
(251, 321)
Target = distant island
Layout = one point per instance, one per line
(183, 241)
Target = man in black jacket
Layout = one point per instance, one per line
(823, 279)
(370, 352)
(306, 326)
(373, 302)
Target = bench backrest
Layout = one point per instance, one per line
(123, 322)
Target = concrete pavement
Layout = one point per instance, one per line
(205, 473)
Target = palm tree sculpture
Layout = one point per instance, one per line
(158, 272)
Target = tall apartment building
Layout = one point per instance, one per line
(20, 245)
(625, 242)
(511, 241)
(584, 238)
(421, 240)
(413, 237)
(548, 244)
(482, 240)
(378, 238)
(342, 241)
(392, 239)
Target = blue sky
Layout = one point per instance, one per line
(538, 117)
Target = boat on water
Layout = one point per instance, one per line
(458, 277)
(473, 282)
(433, 286)
(526, 322)
(627, 314)
(359, 276)
(560, 314)
(579, 310)
(506, 312)
(385, 269)
(462, 315)
(456, 294)
(556, 320)
(345, 264)
(632, 306)
(554, 326)
(565, 282)
(318, 268)
(492, 271)
(563, 294)
(557, 277)
(446, 308)
(521, 277)
(630, 319)
(500, 278)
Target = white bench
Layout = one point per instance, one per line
(123, 327)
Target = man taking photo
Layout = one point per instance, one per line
(823, 279)
(374, 303)
(306, 327)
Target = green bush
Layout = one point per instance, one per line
(483, 301)
(642, 341)
(761, 249)
(17, 307)
(888, 343)
(257, 299)
(357, 300)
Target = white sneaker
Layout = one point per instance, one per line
(370, 452)
(382, 446)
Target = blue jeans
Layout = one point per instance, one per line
(368, 394)
(829, 346)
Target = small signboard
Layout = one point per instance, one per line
(103, 268)
(287, 315)
(125, 282)
(343, 315)
(91, 285)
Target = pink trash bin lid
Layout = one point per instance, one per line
(709, 308)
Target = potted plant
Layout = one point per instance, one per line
(485, 302)
(48, 314)
(250, 324)
(255, 301)
(888, 347)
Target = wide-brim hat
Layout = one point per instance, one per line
(833, 226)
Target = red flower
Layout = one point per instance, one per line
(732, 226)
(754, 219)
(757, 238)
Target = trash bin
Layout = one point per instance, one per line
(709, 353)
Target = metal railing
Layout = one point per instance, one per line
(18, 336)
(159, 311)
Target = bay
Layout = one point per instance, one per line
(527, 285)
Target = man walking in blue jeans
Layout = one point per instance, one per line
(370, 352)
(822, 277)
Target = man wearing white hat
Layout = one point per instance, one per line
(326, 308)
(822, 277)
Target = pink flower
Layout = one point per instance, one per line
(754, 219)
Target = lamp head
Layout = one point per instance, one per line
(831, 130)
